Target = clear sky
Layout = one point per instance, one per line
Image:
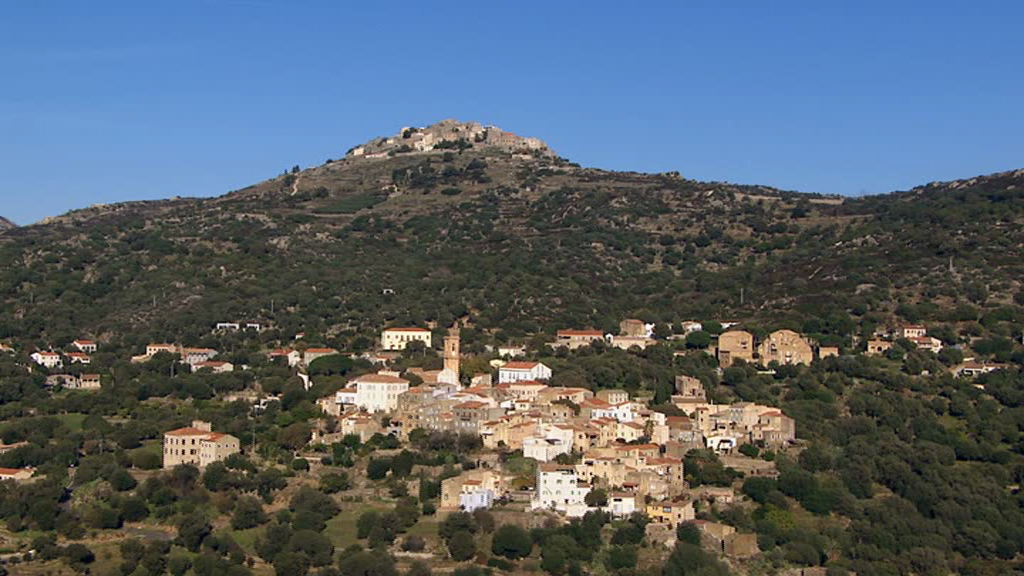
(126, 100)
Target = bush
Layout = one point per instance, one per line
(462, 546)
(511, 541)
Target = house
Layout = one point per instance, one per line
(691, 326)
(193, 356)
(227, 327)
(973, 369)
(827, 351)
(559, 488)
(635, 328)
(399, 338)
(911, 331)
(312, 354)
(6, 349)
(378, 392)
(197, 445)
(671, 513)
(627, 342)
(573, 339)
(612, 396)
(88, 382)
(294, 357)
(928, 343)
(79, 358)
(523, 371)
(621, 504)
(87, 346)
(47, 359)
(511, 351)
(16, 474)
(690, 388)
(785, 347)
(154, 349)
(215, 366)
(878, 347)
(471, 490)
(734, 345)
(470, 415)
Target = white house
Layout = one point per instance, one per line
(475, 499)
(399, 338)
(379, 392)
(87, 346)
(559, 488)
(294, 357)
(621, 504)
(548, 442)
(48, 359)
(522, 371)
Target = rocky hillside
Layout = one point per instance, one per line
(6, 224)
(516, 239)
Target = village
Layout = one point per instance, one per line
(605, 449)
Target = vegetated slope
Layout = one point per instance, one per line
(6, 224)
(520, 243)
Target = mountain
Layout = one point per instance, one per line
(6, 224)
(458, 220)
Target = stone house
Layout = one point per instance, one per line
(197, 445)
(785, 347)
(734, 345)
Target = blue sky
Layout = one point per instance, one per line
(118, 100)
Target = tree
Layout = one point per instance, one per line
(596, 498)
(122, 481)
(367, 520)
(377, 468)
(248, 513)
(192, 530)
(334, 482)
(418, 568)
(688, 532)
(456, 522)
(290, 564)
(79, 556)
(619, 557)
(364, 563)
(462, 546)
(698, 340)
(511, 541)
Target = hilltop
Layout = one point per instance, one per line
(6, 224)
(516, 238)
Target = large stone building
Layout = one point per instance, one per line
(785, 347)
(573, 339)
(197, 445)
(399, 338)
(735, 345)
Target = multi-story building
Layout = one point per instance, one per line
(785, 347)
(735, 345)
(399, 338)
(559, 488)
(197, 445)
(379, 392)
(573, 339)
(47, 359)
(523, 371)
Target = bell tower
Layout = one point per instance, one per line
(452, 353)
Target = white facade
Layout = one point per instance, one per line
(378, 392)
(621, 504)
(523, 371)
(560, 489)
(399, 338)
(477, 499)
(48, 359)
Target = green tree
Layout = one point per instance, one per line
(511, 541)
(462, 546)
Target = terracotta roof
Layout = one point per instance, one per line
(379, 379)
(471, 405)
(84, 342)
(519, 365)
(597, 333)
(321, 351)
(13, 471)
(187, 431)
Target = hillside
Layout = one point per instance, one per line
(6, 224)
(517, 240)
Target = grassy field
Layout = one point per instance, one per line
(72, 421)
(342, 528)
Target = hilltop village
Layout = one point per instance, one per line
(668, 463)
